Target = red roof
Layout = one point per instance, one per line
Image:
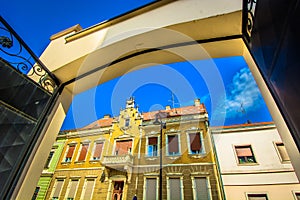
(104, 122)
(187, 110)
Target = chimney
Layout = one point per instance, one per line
(197, 102)
(106, 116)
(168, 107)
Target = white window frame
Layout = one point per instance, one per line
(54, 187)
(294, 193)
(119, 140)
(67, 150)
(201, 140)
(94, 148)
(157, 185)
(80, 149)
(50, 161)
(84, 187)
(181, 186)
(69, 186)
(158, 146)
(195, 189)
(236, 156)
(167, 145)
(278, 153)
(257, 193)
(127, 122)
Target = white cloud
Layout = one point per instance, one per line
(242, 90)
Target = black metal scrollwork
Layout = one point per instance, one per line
(5, 42)
(248, 9)
(16, 53)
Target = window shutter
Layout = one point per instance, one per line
(175, 191)
(58, 187)
(173, 144)
(151, 189)
(70, 151)
(123, 146)
(72, 188)
(98, 150)
(243, 151)
(88, 189)
(83, 152)
(195, 141)
(201, 188)
(152, 141)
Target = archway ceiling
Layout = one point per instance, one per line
(213, 37)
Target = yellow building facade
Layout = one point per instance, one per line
(121, 157)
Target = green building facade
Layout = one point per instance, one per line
(49, 168)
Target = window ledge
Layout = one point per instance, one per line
(94, 161)
(199, 155)
(247, 164)
(79, 162)
(173, 157)
(65, 163)
(151, 158)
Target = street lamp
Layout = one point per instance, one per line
(158, 121)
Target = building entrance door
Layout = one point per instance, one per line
(118, 190)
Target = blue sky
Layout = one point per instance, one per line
(222, 84)
(226, 91)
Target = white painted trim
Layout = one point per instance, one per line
(207, 184)
(145, 185)
(80, 149)
(84, 187)
(167, 145)
(94, 148)
(54, 187)
(69, 187)
(294, 193)
(266, 193)
(67, 150)
(203, 152)
(181, 186)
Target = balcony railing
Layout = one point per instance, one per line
(118, 160)
(16, 53)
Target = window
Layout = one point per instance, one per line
(83, 151)
(175, 189)
(152, 146)
(88, 188)
(150, 189)
(173, 145)
(57, 189)
(195, 143)
(200, 189)
(245, 154)
(71, 190)
(282, 152)
(35, 194)
(127, 121)
(297, 195)
(97, 150)
(257, 197)
(123, 147)
(49, 159)
(70, 152)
